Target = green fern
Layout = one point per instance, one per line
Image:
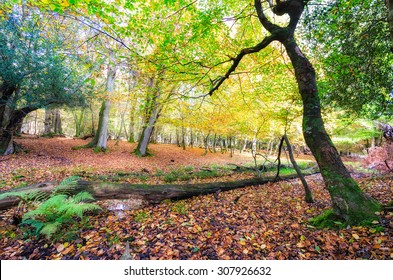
(82, 197)
(26, 196)
(49, 229)
(67, 185)
(59, 209)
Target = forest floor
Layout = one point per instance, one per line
(262, 222)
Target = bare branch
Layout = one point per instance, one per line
(218, 82)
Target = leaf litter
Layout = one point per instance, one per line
(260, 222)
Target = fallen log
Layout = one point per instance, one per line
(151, 194)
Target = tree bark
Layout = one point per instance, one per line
(147, 131)
(101, 136)
(7, 130)
(149, 193)
(57, 128)
(48, 121)
(348, 200)
(308, 194)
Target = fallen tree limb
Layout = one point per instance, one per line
(151, 194)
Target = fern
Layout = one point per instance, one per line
(49, 229)
(76, 209)
(83, 197)
(59, 208)
(26, 196)
(67, 185)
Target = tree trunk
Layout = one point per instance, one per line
(48, 122)
(131, 136)
(307, 190)
(191, 138)
(57, 129)
(101, 137)
(78, 120)
(10, 125)
(102, 134)
(348, 200)
(147, 131)
(148, 193)
(183, 137)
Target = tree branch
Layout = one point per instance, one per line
(218, 82)
(269, 26)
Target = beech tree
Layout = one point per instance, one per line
(349, 202)
(101, 136)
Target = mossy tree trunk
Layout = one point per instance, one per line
(348, 200)
(11, 119)
(147, 132)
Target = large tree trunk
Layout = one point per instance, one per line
(348, 200)
(149, 194)
(48, 121)
(57, 128)
(9, 127)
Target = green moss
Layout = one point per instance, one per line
(100, 150)
(328, 219)
(138, 153)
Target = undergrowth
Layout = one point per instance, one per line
(46, 214)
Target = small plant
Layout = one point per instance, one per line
(57, 211)
(204, 174)
(170, 177)
(48, 213)
(141, 217)
(180, 208)
(188, 169)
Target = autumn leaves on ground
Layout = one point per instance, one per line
(262, 222)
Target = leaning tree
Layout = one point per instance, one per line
(349, 202)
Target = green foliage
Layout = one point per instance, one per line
(58, 211)
(33, 64)
(351, 42)
(55, 210)
(179, 208)
(142, 216)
